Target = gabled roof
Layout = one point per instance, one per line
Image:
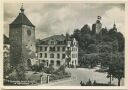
(57, 38)
(21, 19)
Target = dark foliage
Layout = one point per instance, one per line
(85, 37)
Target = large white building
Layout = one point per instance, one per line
(52, 50)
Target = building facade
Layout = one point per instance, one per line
(52, 51)
(22, 41)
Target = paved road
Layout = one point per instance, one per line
(84, 74)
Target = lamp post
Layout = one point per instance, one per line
(48, 78)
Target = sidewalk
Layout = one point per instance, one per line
(52, 83)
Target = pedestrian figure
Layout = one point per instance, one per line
(94, 83)
(89, 83)
(82, 83)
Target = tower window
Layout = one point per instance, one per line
(29, 32)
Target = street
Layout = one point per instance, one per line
(84, 74)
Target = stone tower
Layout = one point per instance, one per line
(96, 27)
(22, 41)
(98, 24)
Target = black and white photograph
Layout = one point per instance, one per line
(64, 44)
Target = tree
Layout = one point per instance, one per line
(68, 59)
(76, 34)
(7, 69)
(17, 74)
(84, 41)
(68, 56)
(92, 48)
(20, 73)
(104, 59)
(117, 67)
(85, 29)
(121, 41)
(90, 60)
(103, 32)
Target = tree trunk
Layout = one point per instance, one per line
(119, 82)
(110, 79)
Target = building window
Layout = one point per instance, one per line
(52, 42)
(72, 62)
(63, 56)
(74, 55)
(58, 55)
(63, 49)
(40, 55)
(52, 62)
(58, 48)
(40, 48)
(45, 48)
(68, 48)
(5, 54)
(52, 55)
(75, 62)
(45, 55)
(5, 48)
(52, 48)
(74, 43)
(43, 61)
(58, 63)
(72, 49)
(47, 64)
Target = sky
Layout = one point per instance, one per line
(59, 18)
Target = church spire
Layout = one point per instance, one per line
(22, 9)
(21, 19)
(114, 25)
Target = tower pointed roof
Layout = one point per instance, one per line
(114, 25)
(21, 19)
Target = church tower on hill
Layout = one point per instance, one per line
(114, 27)
(22, 41)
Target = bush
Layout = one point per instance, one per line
(59, 74)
